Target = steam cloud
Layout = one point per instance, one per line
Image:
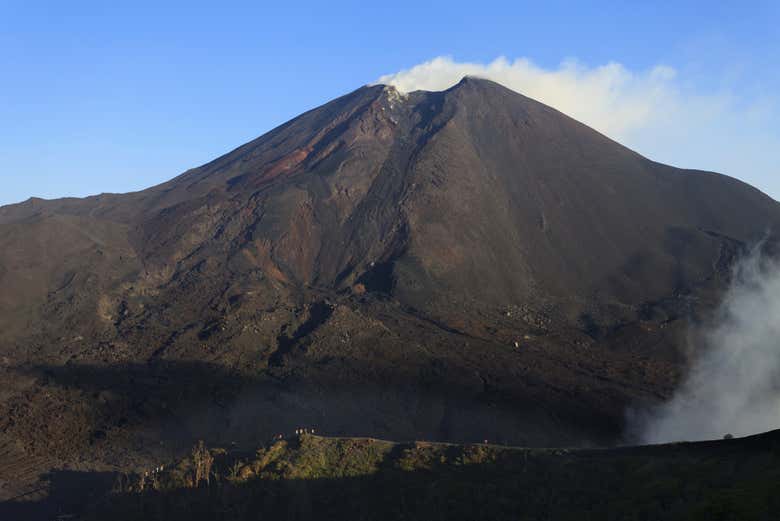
(610, 98)
(734, 387)
(653, 111)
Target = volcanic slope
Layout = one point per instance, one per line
(453, 265)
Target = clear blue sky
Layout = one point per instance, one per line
(101, 97)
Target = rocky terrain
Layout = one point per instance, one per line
(452, 266)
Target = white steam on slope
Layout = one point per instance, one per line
(734, 387)
(609, 98)
(653, 111)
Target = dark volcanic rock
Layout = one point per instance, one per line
(454, 265)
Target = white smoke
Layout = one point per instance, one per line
(734, 386)
(610, 98)
(656, 111)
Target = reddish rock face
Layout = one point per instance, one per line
(385, 246)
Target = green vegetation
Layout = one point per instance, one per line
(327, 478)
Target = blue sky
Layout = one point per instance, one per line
(117, 96)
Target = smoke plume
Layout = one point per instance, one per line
(734, 385)
(658, 111)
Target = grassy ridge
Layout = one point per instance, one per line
(328, 478)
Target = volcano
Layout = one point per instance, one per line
(459, 265)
